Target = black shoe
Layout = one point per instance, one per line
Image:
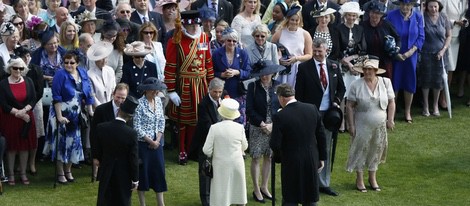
(67, 174)
(265, 195)
(328, 191)
(77, 166)
(258, 200)
(61, 182)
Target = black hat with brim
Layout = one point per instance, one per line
(265, 67)
(333, 118)
(152, 83)
(129, 105)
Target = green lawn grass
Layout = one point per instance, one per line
(428, 164)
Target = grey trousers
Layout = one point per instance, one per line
(325, 174)
(204, 183)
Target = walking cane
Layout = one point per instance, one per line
(56, 151)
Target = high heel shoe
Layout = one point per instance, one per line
(24, 179)
(61, 182)
(11, 180)
(265, 195)
(377, 189)
(258, 200)
(68, 177)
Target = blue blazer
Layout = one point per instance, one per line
(63, 86)
(36, 55)
(256, 102)
(415, 31)
(241, 62)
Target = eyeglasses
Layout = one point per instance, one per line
(126, 30)
(148, 32)
(18, 24)
(125, 12)
(139, 57)
(71, 63)
(231, 40)
(18, 68)
(260, 36)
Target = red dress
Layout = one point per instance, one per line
(11, 126)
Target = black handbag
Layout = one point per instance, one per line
(207, 168)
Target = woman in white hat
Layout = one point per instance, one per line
(225, 144)
(136, 71)
(351, 44)
(325, 28)
(101, 75)
(371, 110)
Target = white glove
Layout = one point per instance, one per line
(175, 98)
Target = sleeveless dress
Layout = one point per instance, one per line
(70, 145)
(293, 41)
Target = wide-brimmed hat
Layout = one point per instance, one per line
(265, 67)
(206, 13)
(137, 48)
(369, 61)
(7, 29)
(376, 6)
(322, 12)
(190, 17)
(332, 118)
(99, 51)
(129, 105)
(182, 5)
(151, 83)
(351, 7)
(229, 109)
(87, 16)
(397, 2)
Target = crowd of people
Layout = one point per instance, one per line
(99, 81)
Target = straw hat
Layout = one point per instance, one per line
(265, 67)
(351, 7)
(99, 51)
(229, 109)
(137, 48)
(369, 62)
(87, 16)
(182, 5)
(151, 83)
(322, 12)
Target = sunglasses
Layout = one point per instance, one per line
(18, 24)
(71, 63)
(18, 68)
(260, 36)
(148, 32)
(231, 40)
(139, 57)
(125, 12)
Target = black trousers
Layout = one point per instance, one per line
(295, 204)
(204, 182)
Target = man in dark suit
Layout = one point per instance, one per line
(104, 113)
(309, 21)
(142, 14)
(117, 154)
(90, 5)
(299, 141)
(225, 9)
(207, 116)
(319, 82)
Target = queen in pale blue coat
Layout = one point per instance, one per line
(409, 25)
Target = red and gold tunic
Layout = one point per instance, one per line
(195, 73)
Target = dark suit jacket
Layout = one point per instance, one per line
(156, 19)
(298, 136)
(256, 102)
(358, 36)
(8, 100)
(207, 116)
(308, 88)
(310, 22)
(225, 9)
(103, 113)
(106, 5)
(117, 151)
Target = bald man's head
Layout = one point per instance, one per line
(123, 11)
(61, 15)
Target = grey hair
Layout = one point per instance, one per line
(17, 62)
(216, 83)
(261, 28)
(319, 42)
(83, 37)
(232, 34)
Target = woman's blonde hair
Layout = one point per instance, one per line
(63, 31)
(286, 20)
(258, 6)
